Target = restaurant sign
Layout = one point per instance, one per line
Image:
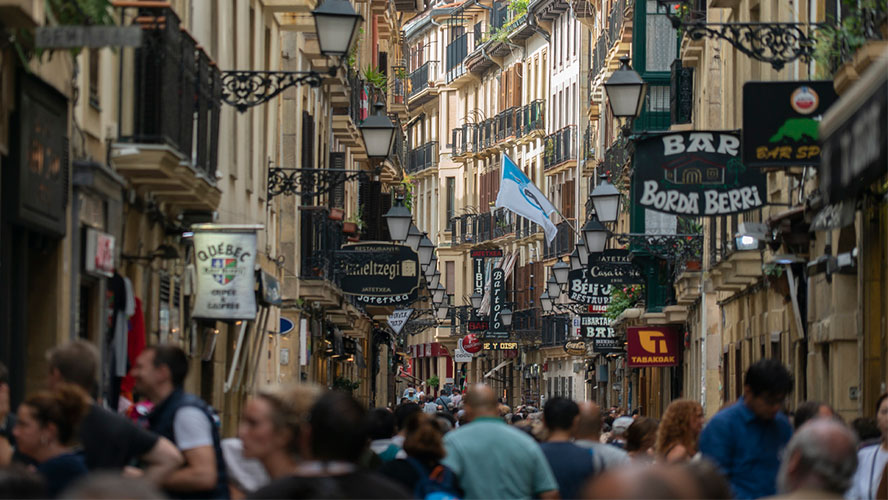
(498, 329)
(780, 122)
(584, 291)
(378, 273)
(652, 346)
(598, 328)
(226, 275)
(697, 173)
(613, 267)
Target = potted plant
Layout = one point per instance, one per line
(336, 214)
(433, 381)
(622, 299)
(777, 279)
(355, 223)
(345, 385)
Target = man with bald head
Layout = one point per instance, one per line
(819, 461)
(587, 435)
(494, 460)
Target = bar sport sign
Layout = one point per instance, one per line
(697, 174)
(381, 270)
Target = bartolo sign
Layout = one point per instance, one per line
(378, 273)
(696, 174)
(226, 275)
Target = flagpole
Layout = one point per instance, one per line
(568, 223)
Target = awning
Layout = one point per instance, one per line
(497, 367)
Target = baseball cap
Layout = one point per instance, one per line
(621, 424)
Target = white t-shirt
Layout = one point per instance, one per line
(192, 428)
(870, 464)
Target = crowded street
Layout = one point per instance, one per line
(435, 249)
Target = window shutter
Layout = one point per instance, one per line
(567, 199)
(337, 194)
(516, 83)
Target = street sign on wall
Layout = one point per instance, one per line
(781, 120)
(697, 173)
(652, 346)
(382, 270)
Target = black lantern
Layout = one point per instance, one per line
(595, 236)
(378, 133)
(337, 24)
(506, 316)
(606, 199)
(553, 288)
(426, 247)
(414, 236)
(476, 300)
(625, 91)
(438, 294)
(582, 252)
(546, 302)
(398, 219)
(432, 268)
(436, 280)
(575, 260)
(561, 270)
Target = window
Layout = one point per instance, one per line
(451, 201)
(450, 279)
(94, 77)
(661, 41)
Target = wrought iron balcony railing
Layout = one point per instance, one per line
(397, 87)
(177, 93)
(490, 226)
(419, 78)
(505, 123)
(321, 237)
(560, 147)
(457, 50)
(526, 228)
(563, 244)
(531, 117)
(423, 157)
(465, 139)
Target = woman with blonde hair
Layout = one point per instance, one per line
(679, 431)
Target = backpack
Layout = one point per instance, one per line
(437, 485)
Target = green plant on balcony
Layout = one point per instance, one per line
(62, 13)
(408, 185)
(836, 43)
(357, 218)
(351, 60)
(433, 381)
(622, 299)
(375, 78)
(345, 384)
(401, 73)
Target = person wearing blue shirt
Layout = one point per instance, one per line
(746, 440)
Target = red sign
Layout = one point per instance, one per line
(478, 326)
(487, 253)
(652, 346)
(471, 343)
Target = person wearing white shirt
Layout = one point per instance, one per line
(872, 460)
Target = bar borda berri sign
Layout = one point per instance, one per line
(378, 273)
(697, 174)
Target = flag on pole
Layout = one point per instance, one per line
(521, 196)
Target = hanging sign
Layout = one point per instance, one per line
(398, 319)
(583, 291)
(378, 270)
(575, 348)
(226, 278)
(99, 257)
(460, 355)
(497, 303)
(478, 275)
(500, 345)
(471, 343)
(780, 122)
(695, 174)
(652, 346)
(286, 325)
(599, 329)
(613, 267)
(270, 289)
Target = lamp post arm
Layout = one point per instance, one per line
(245, 89)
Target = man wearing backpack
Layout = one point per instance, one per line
(494, 460)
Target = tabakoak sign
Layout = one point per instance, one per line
(651, 346)
(696, 174)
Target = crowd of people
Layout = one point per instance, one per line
(302, 441)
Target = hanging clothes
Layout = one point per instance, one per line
(136, 342)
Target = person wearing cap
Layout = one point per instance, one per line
(618, 432)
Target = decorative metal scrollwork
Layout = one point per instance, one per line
(671, 247)
(245, 89)
(310, 181)
(773, 43)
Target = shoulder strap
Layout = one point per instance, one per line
(597, 461)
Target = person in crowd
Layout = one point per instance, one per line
(818, 462)
(7, 420)
(867, 431)
(641, 437)
(109, 486)
(244, 474)
(445, 421)
(424, 446)
(46, 431)
(109, 441)
(746, 438)
(645, 481)
(679, 431)
(381, 430)
(185, 420)
(871, 478)
(811, 409)
(456, 398)
(587, 434)
(19, 482)
(402, 414)
(617, 436)
(571, 464)
(335, 443)
(495, 460)
(273, 426)
(427, 405)
(711, 483)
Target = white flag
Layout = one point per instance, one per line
(521, 196)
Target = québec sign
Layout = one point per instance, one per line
(696, 174)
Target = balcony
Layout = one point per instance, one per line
(422, 158)
(347, 119)
(525, 229)
(490, 226)
(561, 150)
(408, 5)
(563, 244)
(656, 112)
(464, 141)
(614, 41)
(397, 92)
(422, 84)
(505, 124)
(169, 132)
(462, 230)
(457, 50)
(531, 122)
(555, 328)
(320, 237)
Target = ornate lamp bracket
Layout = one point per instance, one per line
(774, 43)
(245, 89)
(310, 181)
(671, 247)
